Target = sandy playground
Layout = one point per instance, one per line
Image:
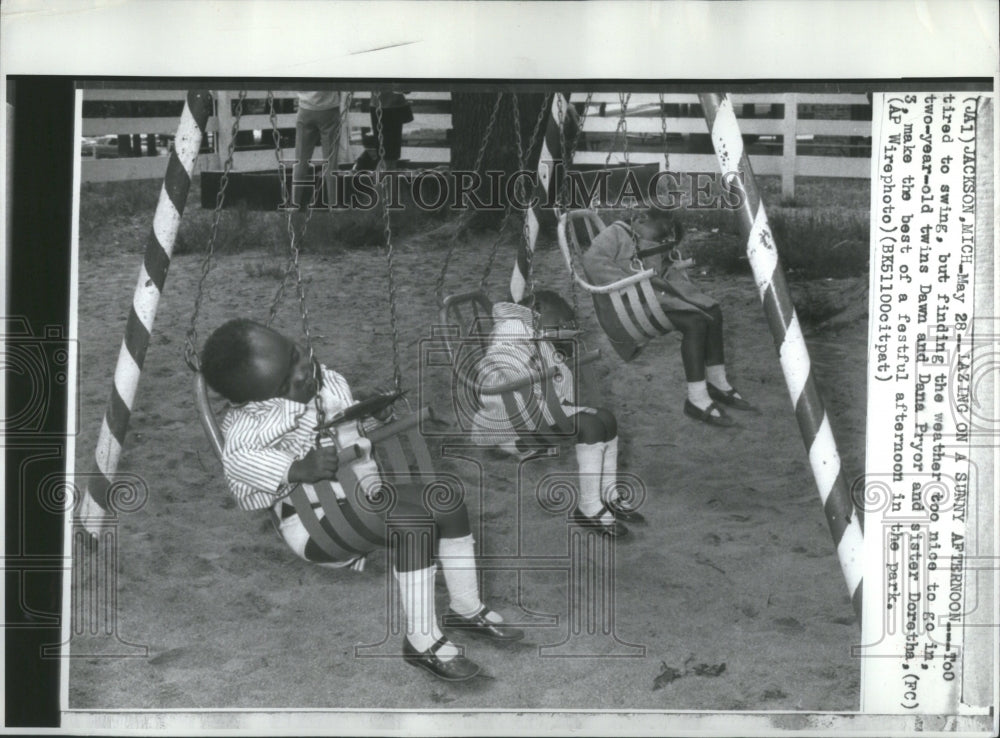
(731, 598)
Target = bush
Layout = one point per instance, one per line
(822, 244)
(811, 244)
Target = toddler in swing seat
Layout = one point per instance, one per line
(518, 347)
(270, 447)
(611, 256)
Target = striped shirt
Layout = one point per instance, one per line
(513, 352)
(262, 439)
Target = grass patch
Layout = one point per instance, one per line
(117, 216)
(825, 233)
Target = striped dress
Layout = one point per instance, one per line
(512, 354)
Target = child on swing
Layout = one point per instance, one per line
(697, 316)
(517, 348)
(270, 447)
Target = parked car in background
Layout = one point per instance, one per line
(100, 147)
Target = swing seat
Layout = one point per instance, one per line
(628, 309)
(346, 531)
(473, 311)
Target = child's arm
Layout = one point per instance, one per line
(609, 253)
(255, 467)
(317, 465)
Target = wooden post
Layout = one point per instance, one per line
(224, 126)
(788, 153)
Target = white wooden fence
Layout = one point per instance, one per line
(643, 119)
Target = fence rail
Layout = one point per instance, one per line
(840, 122)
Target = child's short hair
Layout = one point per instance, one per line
(668, 219)
(226, 356)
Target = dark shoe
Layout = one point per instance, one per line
(713, 414)
(729, 397)
(478, 625)
(614, 529)
(623, 511)
(457, 669)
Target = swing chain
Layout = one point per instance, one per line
(276, 137)
(467, 213)
(663, 134)
(620, 129)
(562, 204)
(397, 374)
(568, 149)
(285, 198)
(294, 268)
(529, 290)
(522, 157)
(191, 342)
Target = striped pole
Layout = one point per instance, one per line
(94, 508)
(545, 191)
(845, 524)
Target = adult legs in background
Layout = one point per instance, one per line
(313, 127)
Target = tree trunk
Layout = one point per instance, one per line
(470, 116)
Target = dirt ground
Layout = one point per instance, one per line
(733, 589)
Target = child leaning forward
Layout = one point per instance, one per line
(517, 348)
(270, 446)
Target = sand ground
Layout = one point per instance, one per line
(736, 566)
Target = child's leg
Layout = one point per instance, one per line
(715, 356)
(457, 555)
(694, 336)
(414, 569)
(694, 331)
(593, 432)
(719, 388)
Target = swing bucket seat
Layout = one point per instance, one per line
(628, 309)
(525, 410)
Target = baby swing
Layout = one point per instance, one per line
(344, 531)
(531, 401)
(637, 316)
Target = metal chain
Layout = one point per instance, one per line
(569, 151)
(285, 198)
(663, 133)
(623, 125)
(521, 162)
(294, 269)
(621, 128)
(397, 374)
(563, 204)
(191, 342)
(300, 237)
(467, 213)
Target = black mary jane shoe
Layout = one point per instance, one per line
(613, 529)
(713, 414)
(730, 398)
(457, 669)
(625, 512)
(478, 625)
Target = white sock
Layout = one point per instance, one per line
(458, 561)
(609, 471)
(698, 394)
(589, 460)
(416, 592)
(716, 374)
